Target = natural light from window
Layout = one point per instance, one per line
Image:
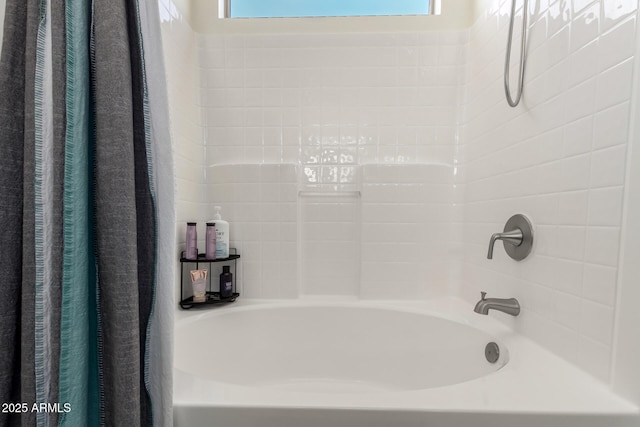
(309, 8)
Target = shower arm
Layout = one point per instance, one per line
(507, 85)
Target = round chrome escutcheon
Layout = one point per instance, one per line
(522, 223)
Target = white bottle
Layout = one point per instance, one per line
(222, 234)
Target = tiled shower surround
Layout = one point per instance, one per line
(560, 159)
(331, 101)
(370, 123)
(378, 165)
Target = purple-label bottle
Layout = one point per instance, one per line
(192, 241)
(210, 252)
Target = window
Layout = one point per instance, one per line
(306, 8)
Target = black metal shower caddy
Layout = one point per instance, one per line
(212, 297)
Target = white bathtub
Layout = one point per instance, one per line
(286, 364)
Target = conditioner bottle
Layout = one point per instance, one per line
(222, 235)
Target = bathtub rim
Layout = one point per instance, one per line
(448, 308)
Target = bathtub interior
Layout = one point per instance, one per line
(334, 348)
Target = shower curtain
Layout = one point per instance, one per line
(86, 216)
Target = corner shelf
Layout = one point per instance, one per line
(212, 297)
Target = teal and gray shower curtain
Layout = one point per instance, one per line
(86, 216)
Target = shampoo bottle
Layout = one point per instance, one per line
(226, 283)
(222, 235)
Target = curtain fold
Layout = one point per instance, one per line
(86, 226)
(49, 176)
(158, 375)
(78, 380)
(115, 215)
(145, 209)
(13, 82)
(27, 316)
(58, 118)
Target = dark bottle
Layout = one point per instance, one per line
(226, 283)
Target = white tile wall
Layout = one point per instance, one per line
(179, 43)
(406, 231)
(330, 244)
(260, 204)
(392, 242)
(331, 101)
(560, 159)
